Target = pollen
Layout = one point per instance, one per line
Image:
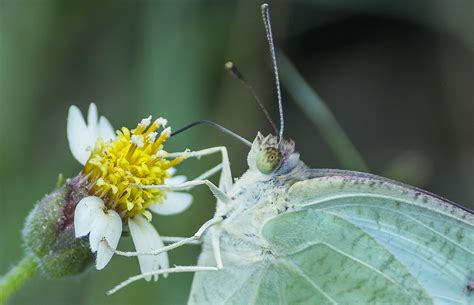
(116, 169)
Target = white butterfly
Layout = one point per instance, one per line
(288, 234)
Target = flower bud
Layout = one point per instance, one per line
(49, 231)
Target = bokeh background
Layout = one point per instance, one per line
(397, 75)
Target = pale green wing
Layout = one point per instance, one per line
(363, 239)
(252, 283)
(351, 238)
(236, 284)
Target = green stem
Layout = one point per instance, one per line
(16, 277)
(315, 108)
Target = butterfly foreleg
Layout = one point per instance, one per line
(225, 181)
(186, 186)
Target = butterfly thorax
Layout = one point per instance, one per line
(256, 198)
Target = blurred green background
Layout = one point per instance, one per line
(398, 76)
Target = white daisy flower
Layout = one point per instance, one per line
(114, 163)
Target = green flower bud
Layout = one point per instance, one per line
(49, 232)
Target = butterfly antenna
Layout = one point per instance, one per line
(268, 30)
(215, 125)
(236, 73)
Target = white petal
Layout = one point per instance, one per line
(106, 131)
(85, 213)
(112, 236)
(92, 116)
(173, 181)
(97, 230)
(146, 239)
(78, 135)
(81, 136)
(103, 222)
(175, 202)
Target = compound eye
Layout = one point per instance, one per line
(268, 160)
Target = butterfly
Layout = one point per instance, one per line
(284, 233)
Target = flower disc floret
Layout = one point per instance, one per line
(117, 169)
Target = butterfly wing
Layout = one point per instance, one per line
(351, 238)
(235, 284)
(244, 282)
(362, 239)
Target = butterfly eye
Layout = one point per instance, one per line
(268, 160)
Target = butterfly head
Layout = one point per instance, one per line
(270, 156)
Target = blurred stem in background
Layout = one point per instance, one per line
(17, 277)
(317, 111)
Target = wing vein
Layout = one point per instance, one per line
(347, 195)
(294, 268)
(456, 271)
(257, 289)
(371, 268)
(237, 289)
(448, 299)
(405, 215)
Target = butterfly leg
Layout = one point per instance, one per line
(177, 244)
(177, 269)
(215, 241)
(225, 181)
(175, 239)
(186, 186)
(218, 193)
(216, 249)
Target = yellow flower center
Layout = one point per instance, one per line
(116, 169)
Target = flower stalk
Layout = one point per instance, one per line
(17, 277)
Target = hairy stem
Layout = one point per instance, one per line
(16, 277)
